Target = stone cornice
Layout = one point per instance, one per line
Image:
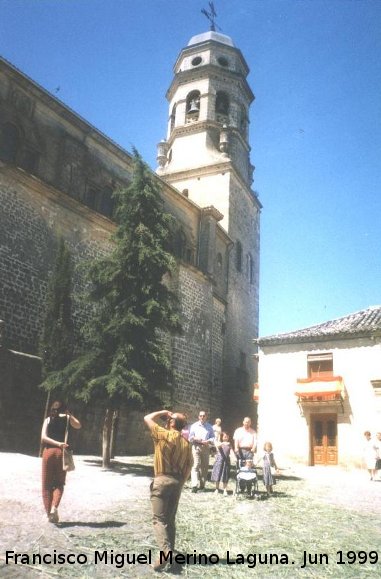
(40, 187)
(63, 111)
(213, 212)
(212, 169)
(203, 126)
(208, 71)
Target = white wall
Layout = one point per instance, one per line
(358, 361)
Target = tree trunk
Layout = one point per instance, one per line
(114, 429)
(106, 438)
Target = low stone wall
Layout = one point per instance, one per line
(22, 410)
(22, 403)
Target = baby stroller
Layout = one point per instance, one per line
(246, 480)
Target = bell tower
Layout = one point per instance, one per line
(207, 137)
(207, 153)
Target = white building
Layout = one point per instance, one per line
(320, 388)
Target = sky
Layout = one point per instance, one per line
(315, 130)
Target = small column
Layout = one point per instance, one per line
(224, 140)
(162, 152)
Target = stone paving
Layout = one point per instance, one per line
(101, 500)
(93, 498)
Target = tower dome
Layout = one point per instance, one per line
(211, 35)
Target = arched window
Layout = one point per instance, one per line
(93, 197)
(238, 255)
(250, 268)
(243, 124)
(10, 140)
(192, 106)
(222, 107)
(15, 149)
(100, 199)
(182, 247)
(180, 244)
(172, 118)
(107, 202)
(29, 160)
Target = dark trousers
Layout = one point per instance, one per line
(245, 454)
(165, 495)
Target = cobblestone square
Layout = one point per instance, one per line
(327, 515)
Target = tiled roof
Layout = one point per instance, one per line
(360, 324)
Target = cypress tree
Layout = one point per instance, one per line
(127, 357)
(56, 344)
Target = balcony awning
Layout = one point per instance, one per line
(321, 389)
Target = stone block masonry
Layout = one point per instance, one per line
(57, 175)
(198, 353)
(30, 223)
(32, 218)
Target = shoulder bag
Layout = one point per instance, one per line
(67, 455)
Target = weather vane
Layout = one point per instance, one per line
(211, 16)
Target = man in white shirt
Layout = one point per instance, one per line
(245, 440)
(201, 437)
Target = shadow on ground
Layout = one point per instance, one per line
(122, 468)
(289, 477)
(94, 525)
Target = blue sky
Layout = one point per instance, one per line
(315, 124)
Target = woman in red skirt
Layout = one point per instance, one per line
(53, 441)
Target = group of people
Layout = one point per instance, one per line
(372, 453)
(180, 451)
(206, 439)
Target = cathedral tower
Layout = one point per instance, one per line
(206, 156)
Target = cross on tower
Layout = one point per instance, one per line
(211, 16)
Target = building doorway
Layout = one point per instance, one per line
(324, 439)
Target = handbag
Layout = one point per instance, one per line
(67, 455)
(378, 464)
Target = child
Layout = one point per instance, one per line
(221, 467)
(269, 464)
(246, 476)
(371, 454)
(217, 430)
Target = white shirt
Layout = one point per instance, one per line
(245, 438)
(201, 431)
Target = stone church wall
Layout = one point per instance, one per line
(57, 182)
(197, 354)
(32, 217)
(242, 318)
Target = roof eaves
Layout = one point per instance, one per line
(294, 339)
